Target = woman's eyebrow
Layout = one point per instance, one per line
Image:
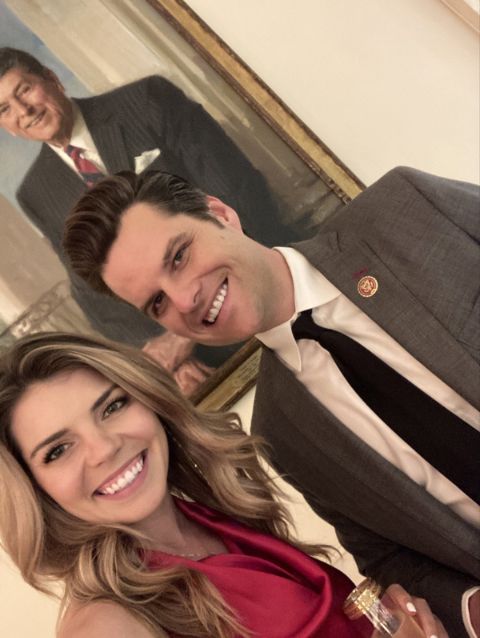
(50, 439)
(102, 397)
(58, 435)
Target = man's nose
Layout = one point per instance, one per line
(22, 107)
(185, 296)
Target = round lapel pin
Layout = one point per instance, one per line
(367, 286)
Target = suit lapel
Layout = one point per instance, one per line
(396, 310)
(55, 171)
(108, 136)
(49, 190)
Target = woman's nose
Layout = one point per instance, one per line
(101, 445)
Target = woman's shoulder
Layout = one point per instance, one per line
(101, 620)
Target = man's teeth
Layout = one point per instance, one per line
(35, 120)
(217, 303)
(124, 479)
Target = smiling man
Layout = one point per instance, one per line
(148, 124)
(35, 107)
(195, 277)
(368, 385)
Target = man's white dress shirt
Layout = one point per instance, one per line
(80, 137)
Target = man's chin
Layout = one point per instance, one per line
(223, 340)
(51, 133)
(46, 137)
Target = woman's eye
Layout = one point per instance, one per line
(114, 406)
(55, 452)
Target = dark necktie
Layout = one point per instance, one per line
(87, 169)
(439, 436)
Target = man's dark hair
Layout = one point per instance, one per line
(13, 58)
(92, 226)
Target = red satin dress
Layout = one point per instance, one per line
(276, 590)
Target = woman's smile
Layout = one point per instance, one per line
(127, 480)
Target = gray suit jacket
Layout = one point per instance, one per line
(418, 235)
(147, 114)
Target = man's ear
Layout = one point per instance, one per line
(224, 213)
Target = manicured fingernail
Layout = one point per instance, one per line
(433, 636)
(413, 610)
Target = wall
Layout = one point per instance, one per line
(405, 76)
(405, 80)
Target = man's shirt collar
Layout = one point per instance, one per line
(311, 289)
(80, 134)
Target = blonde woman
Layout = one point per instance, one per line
(159, 520)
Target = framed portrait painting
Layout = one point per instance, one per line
(107, 43)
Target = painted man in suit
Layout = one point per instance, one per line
(149, 124)
(394, 270)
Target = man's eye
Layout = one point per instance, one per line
(55, 452)
(179, 256)
(4, 110)
(114, 406)
(25, 88)
(157, 304)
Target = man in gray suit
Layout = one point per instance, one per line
(397, 272)
(149, 124)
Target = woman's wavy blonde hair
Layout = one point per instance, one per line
(212, 461)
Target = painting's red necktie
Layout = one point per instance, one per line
(87, 169)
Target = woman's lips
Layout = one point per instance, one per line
(125, 478)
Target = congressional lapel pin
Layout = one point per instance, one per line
(367, 286)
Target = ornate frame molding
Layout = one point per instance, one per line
(239, 373)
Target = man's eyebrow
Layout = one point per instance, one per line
(172, 244)
(58, 435)
(19, 85)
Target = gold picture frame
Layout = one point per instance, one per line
(229, 382)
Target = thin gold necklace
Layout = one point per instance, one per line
(203, 554)
(194, 554)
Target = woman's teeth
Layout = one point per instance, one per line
(217, 303)
(124, 479)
